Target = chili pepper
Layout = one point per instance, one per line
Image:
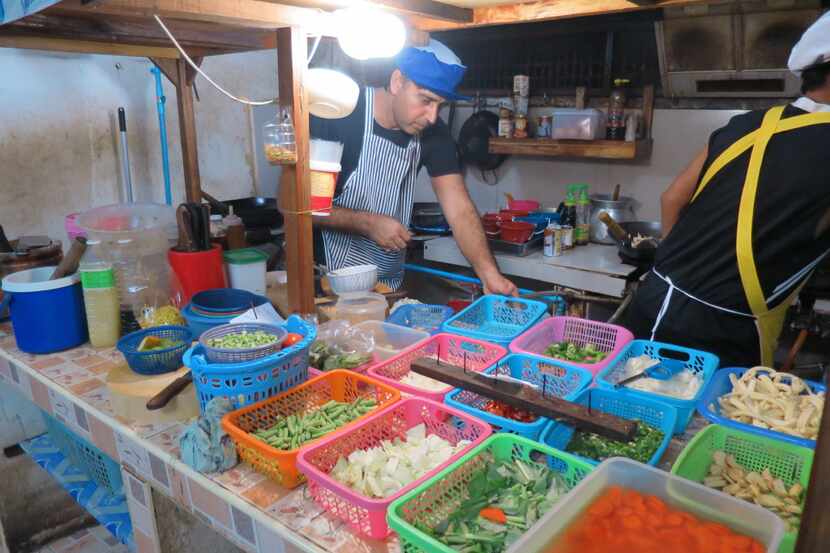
(493, 514)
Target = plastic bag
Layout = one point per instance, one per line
(340, 345)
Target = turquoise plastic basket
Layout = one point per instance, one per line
(656, 413)
(554, 378)
(99, 466)
(672, 357)
(496, 319)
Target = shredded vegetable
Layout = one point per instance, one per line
(423, 382)
(570, 351)
(646, 442)
(682, 385)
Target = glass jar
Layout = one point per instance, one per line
(278, 140)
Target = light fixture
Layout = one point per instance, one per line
(364, 32)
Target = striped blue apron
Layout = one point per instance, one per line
(383, 183)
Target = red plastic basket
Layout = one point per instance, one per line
(475, 355)
(606, 337)
(368, 515)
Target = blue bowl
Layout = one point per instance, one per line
(223, 300)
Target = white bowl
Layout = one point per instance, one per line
(360, 278)
(331, 94)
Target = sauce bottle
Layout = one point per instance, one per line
(616, 110)
(103, 315)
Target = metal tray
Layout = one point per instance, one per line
(520, 250)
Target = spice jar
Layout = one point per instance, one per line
(278, 139)
(520, 127)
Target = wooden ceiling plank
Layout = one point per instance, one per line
(86, 47)
(545, 10)
(426, 8)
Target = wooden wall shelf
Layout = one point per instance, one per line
(597, 149)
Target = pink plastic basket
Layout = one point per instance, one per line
(366, 515)
(606, 337)
(476, 355)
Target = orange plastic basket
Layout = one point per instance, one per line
(281, 465)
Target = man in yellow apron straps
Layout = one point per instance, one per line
(745, 224)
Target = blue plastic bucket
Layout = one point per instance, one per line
(47, 315)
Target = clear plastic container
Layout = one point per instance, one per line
(391, 339)
(279, 141)
(361, 306)
(100, 297)
(679, 493)
(578, 124)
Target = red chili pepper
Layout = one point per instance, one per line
(493, 514)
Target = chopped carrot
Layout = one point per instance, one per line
(493, 514)
(632, 522)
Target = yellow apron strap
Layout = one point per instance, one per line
(747, 142)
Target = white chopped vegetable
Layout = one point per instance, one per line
(383, 470)
(423, 382)
(682, 385)
(768, 399)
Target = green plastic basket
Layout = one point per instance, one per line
(789, 462)
(435, 499)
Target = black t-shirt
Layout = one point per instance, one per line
(792, 200)
(438, 152)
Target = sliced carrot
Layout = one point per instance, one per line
(673, 519)
(493, 514)
(632, 522)
(739, 542)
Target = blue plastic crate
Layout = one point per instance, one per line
(496, 319)
(720, 385)
(426, 317)
(659, 414)
(553, 378)
(672, 357)
(96, 464)
(251, 381)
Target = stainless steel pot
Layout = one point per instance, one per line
(621, 210)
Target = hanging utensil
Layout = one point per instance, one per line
(616, 195)
(125, 156)
(205, 209)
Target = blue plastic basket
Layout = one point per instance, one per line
(720, 385)
(251, 381)
(99, 466)
(552, 377)
(659, 414)
(672, 357)
(496, 319)
(157, 361)
(426, 317)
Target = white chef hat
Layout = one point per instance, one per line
(813, 48)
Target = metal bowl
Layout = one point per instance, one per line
(646, 228)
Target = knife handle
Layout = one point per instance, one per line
(161, 399)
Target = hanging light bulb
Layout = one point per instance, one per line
(364, 32)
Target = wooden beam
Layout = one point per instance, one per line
(814, 532)
(187, 129)
(295, 184)
(425, 8)
(170, 69)
(545, 10)
(86, 47)
(245, 13)
(648, 110)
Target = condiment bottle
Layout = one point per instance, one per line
(583, 216)
(235, 231)
(103, 316)
(616, 111)
(569, 218)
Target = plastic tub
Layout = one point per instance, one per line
(672, 357)
(552, 378)
(281, 465)
(496, 319)
(606, 337)
(720, 385)
(790, 463)
(367, 515)
(246, 269)
(476, 355)
(391, 339)
(578, 124)
(517, 231)
(655, 413)
(358, 307)
(679, 493)
(47, 315)
(433, 501)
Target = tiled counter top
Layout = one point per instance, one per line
(241, 504)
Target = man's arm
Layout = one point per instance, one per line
(387, 232)
(463, 217)
(680, 192)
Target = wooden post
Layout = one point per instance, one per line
(814, 532)
(295, 188)
(648, 110)
(187, 128)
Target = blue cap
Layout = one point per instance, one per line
(434, 67)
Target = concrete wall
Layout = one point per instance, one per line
(58, 147)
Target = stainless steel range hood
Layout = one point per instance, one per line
(735, 49)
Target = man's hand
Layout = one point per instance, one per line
(386, 232)
(497, 284)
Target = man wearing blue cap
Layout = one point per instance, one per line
(391, 134)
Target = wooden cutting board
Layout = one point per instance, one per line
(131, 391)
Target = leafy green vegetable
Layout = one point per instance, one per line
(570, 351)
(323, 357)
(522, 490)
(641, 448)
